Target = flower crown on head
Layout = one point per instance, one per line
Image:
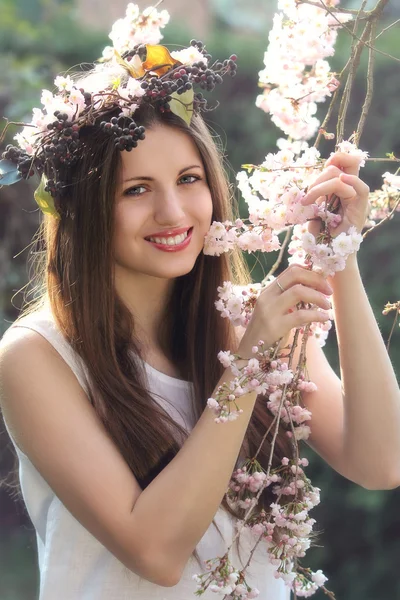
(136, 70)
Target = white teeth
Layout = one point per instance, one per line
(170, 241)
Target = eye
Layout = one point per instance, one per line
(193, 178)
(134, 191)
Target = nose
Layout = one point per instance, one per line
(168, 209)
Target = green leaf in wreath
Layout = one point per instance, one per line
(182, 105)
(45, 200)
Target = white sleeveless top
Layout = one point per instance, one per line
(73, 564)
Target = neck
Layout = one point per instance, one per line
(146, 298)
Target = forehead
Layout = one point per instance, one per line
(163, 149)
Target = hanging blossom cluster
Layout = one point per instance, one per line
(287, 528)
(223, 579)
(267, 375)
(296, 77)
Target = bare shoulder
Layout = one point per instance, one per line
(25, 355)
(53, 423)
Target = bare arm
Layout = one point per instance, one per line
(88, 474)
(356, 429)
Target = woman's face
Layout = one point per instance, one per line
(163, 205)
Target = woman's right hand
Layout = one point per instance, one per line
(275, 313)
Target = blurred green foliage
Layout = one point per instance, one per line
(40, 38)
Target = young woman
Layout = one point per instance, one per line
(104, 382)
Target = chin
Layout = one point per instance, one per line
(171, 271)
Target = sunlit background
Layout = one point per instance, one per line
(359, 548)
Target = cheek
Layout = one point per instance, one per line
(204, 210)
(129, 218)
(127, 226)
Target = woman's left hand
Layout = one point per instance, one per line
(340, 177)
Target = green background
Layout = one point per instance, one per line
(359, 549)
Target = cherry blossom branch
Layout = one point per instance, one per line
(323, 588)
(373, 16)
(387, 218)
(348, 11)
(370, 86)
(274, 201)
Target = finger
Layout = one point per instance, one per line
(348, 163)
(298, 318)
(302, 293)
(328, 173)
(298, 274)
(357, 184)
(327, 188)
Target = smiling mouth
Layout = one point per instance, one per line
(170, 240)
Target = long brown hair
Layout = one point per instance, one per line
(74, 272)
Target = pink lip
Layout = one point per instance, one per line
(175, 247)
(169, 232)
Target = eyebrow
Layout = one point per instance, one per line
(152, 178)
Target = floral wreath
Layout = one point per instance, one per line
(136, 70)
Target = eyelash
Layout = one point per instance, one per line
(129, 191)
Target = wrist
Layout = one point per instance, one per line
(351, 269)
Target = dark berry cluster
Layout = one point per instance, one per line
(63, 142)
(58, 148)
(55, 188)
(139, 49)
(126, 132)
(21, 159)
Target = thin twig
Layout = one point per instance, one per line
(264, 438)
(392, 330)
(386, 28)
(356, 51)
(391, 159)
(327, 117)
(332, 104)
(370, 87)
(281, 252)
(348, 11)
